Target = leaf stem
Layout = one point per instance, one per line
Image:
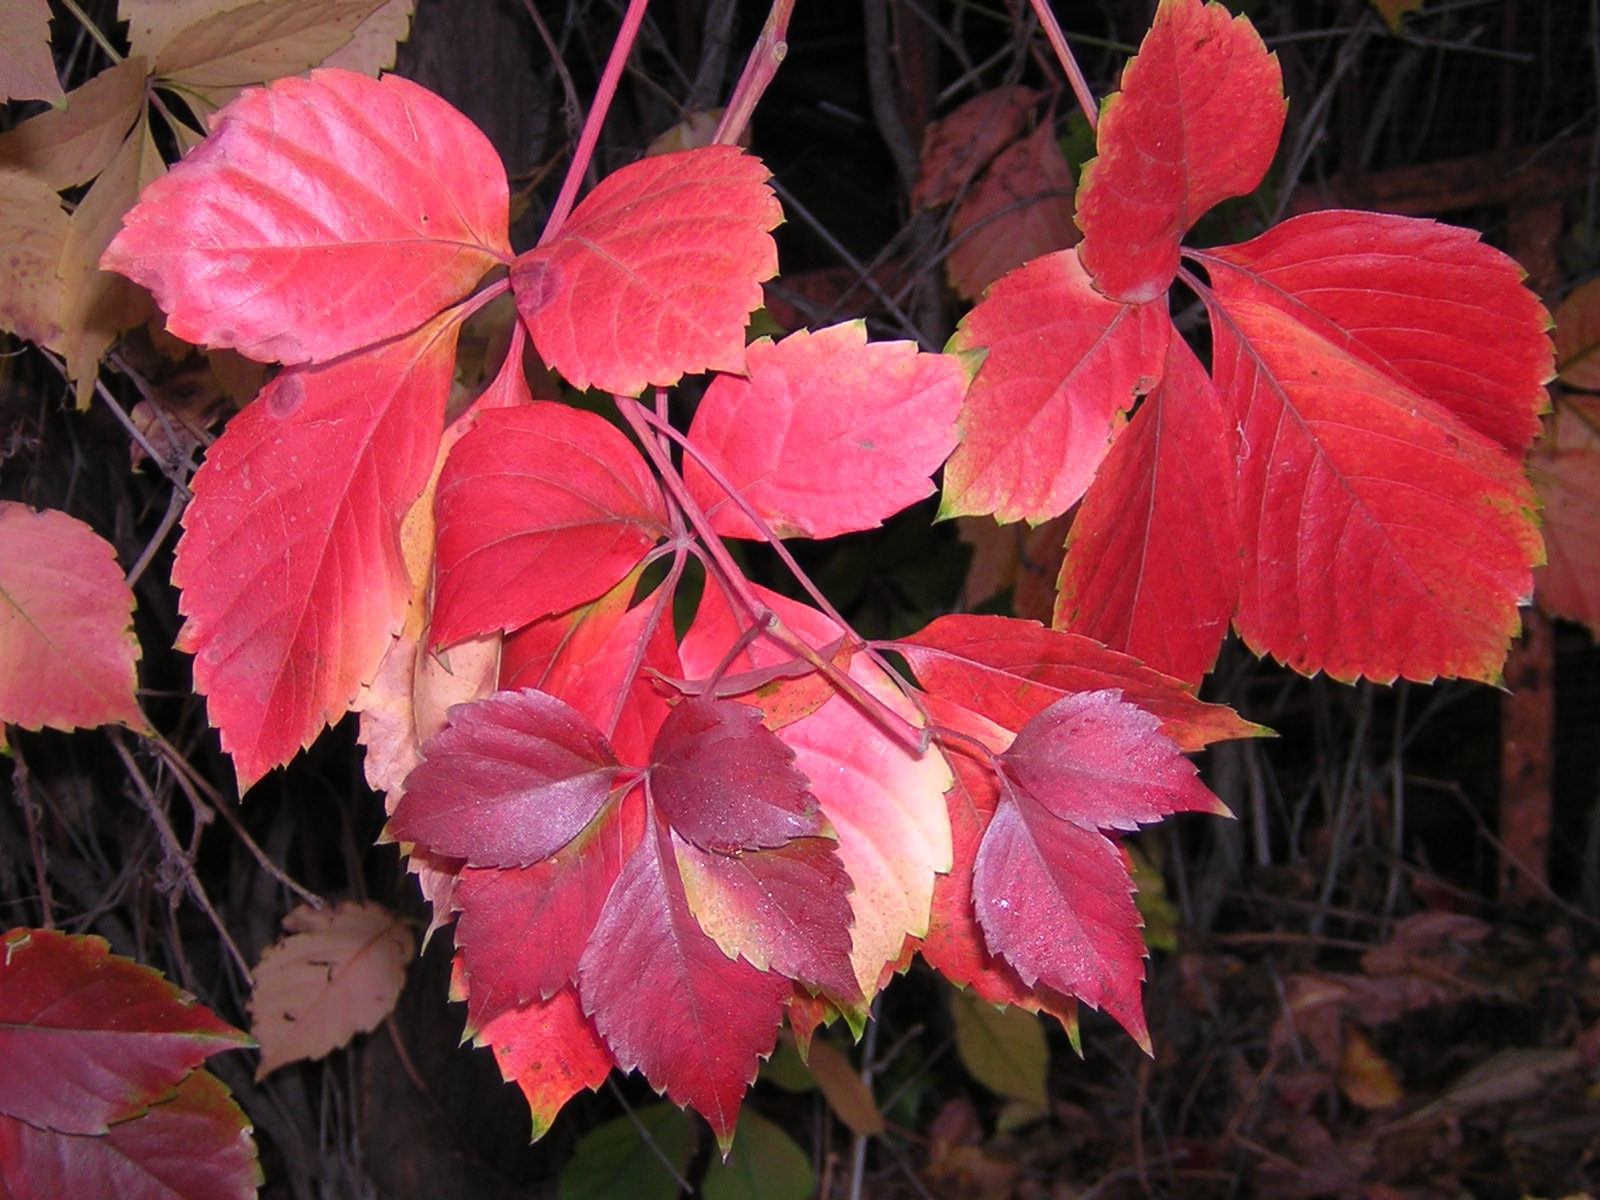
(92, 30)
(759, 70)
(604, 93)
(1068, 61)
(648, 427)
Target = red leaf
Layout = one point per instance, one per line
(1056, 903)
(89, 1038)
(958, 145)
(1062, 361)
(828, 434)
(1152, 561)
(1197, 121)
(785, 909)
(591, 658)
(1009, 670)
(669, 1002)
(66, 619)
(522, 930)
(513, 779)
(541, 508)
(884, 799)
(194, 1146)
(1428, 304)
(726, 783)
(1381, 536)
(655, 274)
(1565, 468)
(284, 233)
(551, 1051)
(293, 577)
(1021, 208)
(1096, 760)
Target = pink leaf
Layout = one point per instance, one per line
(1197, 121)
(284, 234)
(66, 618)
(1021, 208)
(1010, 670)
(513, 779)
(1152, 561)
(1382, 537)
(294, 581)
(1061, 362)
(669, 1002)
(1429, 304)
(655, 274)
(828, 434)
(541, 508)
(89, 1038)
(194, 1146)
(726, 783)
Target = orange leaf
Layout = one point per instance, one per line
(1577, 338)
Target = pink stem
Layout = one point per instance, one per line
(759, 70)
(1069, 63)
(604, 94)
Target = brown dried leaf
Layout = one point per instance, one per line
(1565, 468)
(265, 40)
(27, 72)
(1392, 10)
(33, 231)
(372, 47)
(851, 1099)
(337, 974)
(1021, 208)
(956, 147)
(98, 304)
(1577, 338)
(67, 147)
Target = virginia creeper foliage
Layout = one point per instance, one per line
(660, 841)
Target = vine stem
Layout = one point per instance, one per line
(632, 19)
(649, 428)
(1068, 61)
(759, 70)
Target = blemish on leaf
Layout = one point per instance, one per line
(286, 396)
(535, 280)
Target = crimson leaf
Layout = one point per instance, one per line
(513, 779)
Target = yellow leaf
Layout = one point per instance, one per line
(337, 974)
(1365, 1076)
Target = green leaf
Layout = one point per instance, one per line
(765, 1165)
(629, 1157)
(1002, 1048)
